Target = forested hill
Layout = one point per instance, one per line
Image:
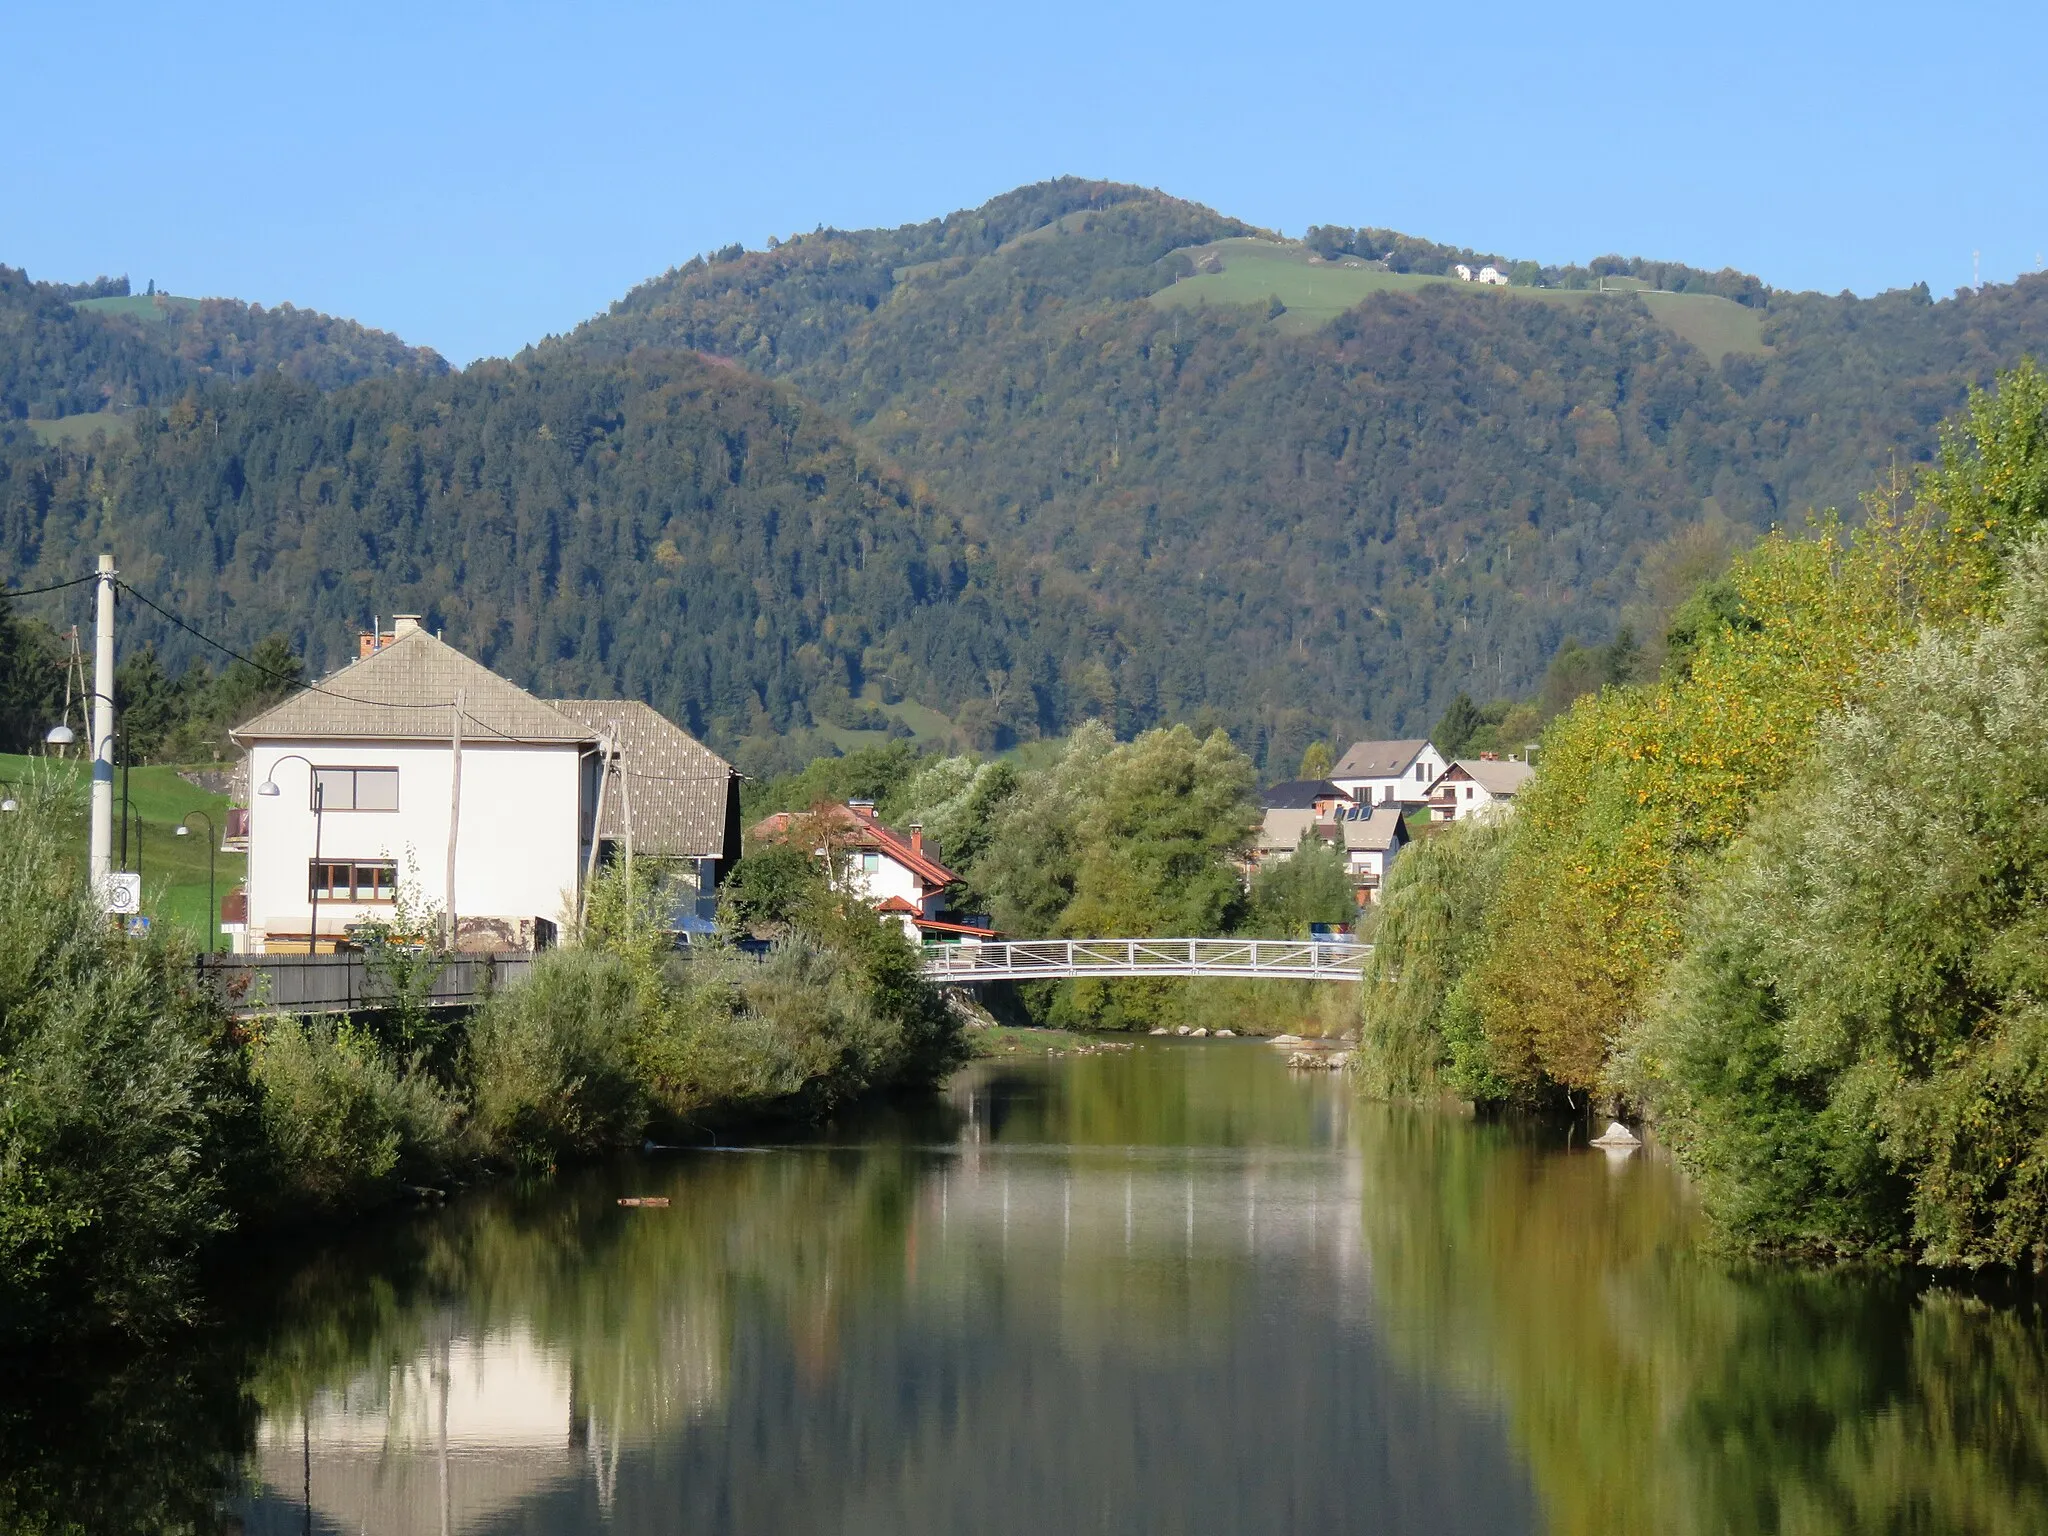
(1339, 517)
(73, 350)
(1086, 451)
(663, 527)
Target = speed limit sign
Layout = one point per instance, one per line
(121, 895)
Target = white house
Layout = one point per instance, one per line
(417, 765)
(1492, 276)
(899, 874)
(1373, 837)
(1477, 786)
(1388, 772)
(1368, 836)
(1461, 272)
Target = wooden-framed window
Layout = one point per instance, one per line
(355, 789)
(352, 879)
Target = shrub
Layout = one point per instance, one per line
(553, 1064)
(118, 1097)
(343, 1126)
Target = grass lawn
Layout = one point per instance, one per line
(1316, 292)
(173, 868)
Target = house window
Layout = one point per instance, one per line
(356, 789)
(1468, 791)
(1420, 775)
(352, 879)
(1388, 797)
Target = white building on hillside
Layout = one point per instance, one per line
(417, 764)
(1388, 772)
(1477, 786)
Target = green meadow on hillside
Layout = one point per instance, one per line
(77, 431)
(173, 868)
(137, 306)
(1316, 292)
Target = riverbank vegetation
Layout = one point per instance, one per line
(1091, 837)
(1784, 899)
(140, 1123)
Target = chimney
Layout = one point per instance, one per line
(865, 809)
(1489, 757)
(916, 837)
(403, 624)
(374, 640)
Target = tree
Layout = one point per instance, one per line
(1309, 886)
(1460, 723)
(1854, 1053)
(1160, 840)
(1316, 761)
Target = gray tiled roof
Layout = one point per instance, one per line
(407, 690)
(1281, 830)
(677, 786)
(1497, 776)
(1377, 831)
(1377, 759)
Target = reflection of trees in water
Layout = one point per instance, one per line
(144, 1443)
(1652, 1389)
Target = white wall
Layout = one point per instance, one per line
(516, 857)
(887, 879)
(1407, 786)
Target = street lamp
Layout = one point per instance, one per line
(60, 736)
(269, 787)
(212, 849)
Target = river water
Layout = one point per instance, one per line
(1176, 1288)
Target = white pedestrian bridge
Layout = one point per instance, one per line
(1064, 959)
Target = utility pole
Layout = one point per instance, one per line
(103, 732)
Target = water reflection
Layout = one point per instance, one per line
(1178, 1290)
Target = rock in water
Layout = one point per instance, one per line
(1198, 1034)
(1226, 1034)
(1617, 1135)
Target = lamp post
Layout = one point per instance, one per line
(212, 849)
(269, 788)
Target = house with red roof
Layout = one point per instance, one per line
(898, 873)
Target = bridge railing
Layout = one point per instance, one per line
(1057, 959)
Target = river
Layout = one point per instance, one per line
(1176, 1288)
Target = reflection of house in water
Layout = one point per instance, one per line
(468, 1429)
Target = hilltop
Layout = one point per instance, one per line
(78, 357)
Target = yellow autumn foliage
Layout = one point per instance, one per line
(1640, 787)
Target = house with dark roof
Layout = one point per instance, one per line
(897, 873)
(1303, 795)
(417, 776)
(1388, 772)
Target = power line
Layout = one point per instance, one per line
(76, 581)
(301, 684)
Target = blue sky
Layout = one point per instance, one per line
(475, 177)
